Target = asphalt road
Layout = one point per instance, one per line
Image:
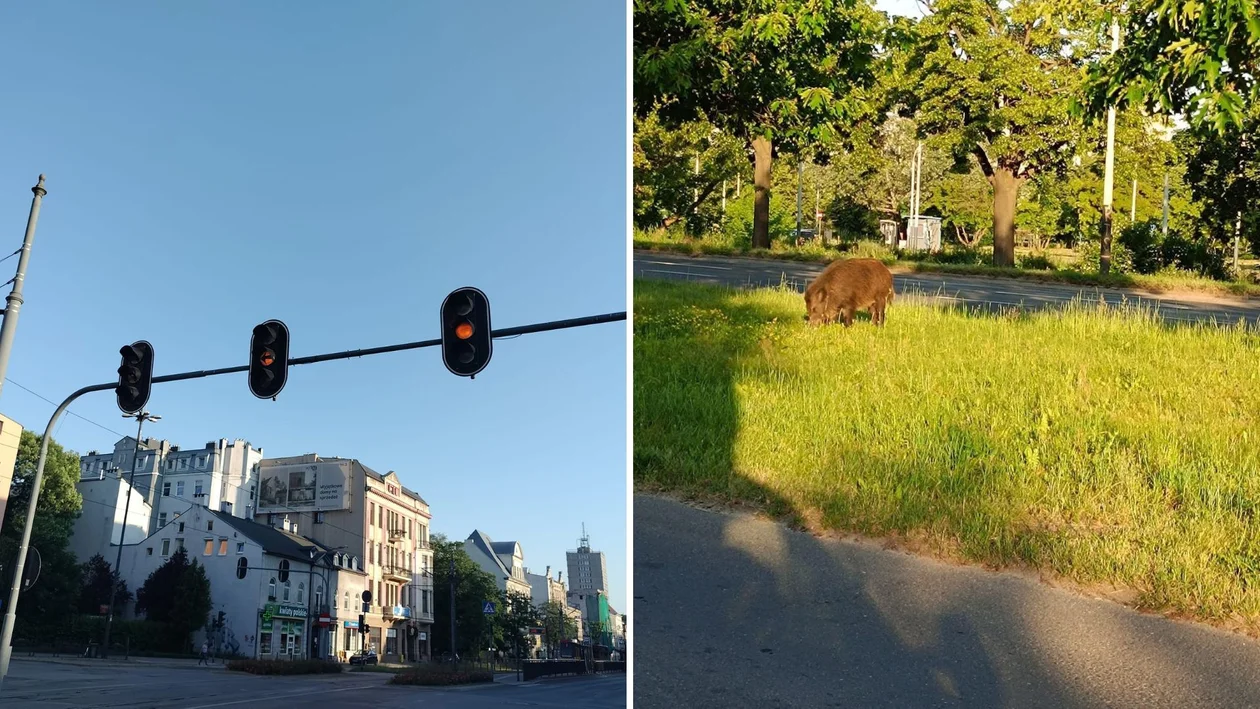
(991, 293)
(735, 611)
(50, 685)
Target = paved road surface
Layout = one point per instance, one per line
(49, 685)
(735, 611)
(993, 293)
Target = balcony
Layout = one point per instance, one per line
(398, 573)
(422, 544)
(397, 535)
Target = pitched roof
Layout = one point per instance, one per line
(273, 540)
(483, 542)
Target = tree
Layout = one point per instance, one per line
(995, 82)
(1197, 57)
(557, 626)
(667, 186)
(42, 607)
(473, 587)
(517, 617)
(98, 579)
(782, 76)
(1223, 171)
(176, 594)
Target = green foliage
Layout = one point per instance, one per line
(440, 676)
(787, 70)
(1223, 170)
(516, 614)
(667, 187)
(176, 594)
(98, 578)
(557, 625)
(852, 220)
(43, 606)
(1036, 262)
(1197, 57)
(473, 587)
(285, 667)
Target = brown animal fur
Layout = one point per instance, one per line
(847, 286)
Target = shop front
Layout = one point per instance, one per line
(281, 630)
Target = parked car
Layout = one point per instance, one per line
(364, 657)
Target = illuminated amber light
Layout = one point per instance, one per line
(268, 357)
(464, 330)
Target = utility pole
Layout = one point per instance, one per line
(135, 458)
(1133, 203)
(14, 300)
(454, 664)
(1165, 224)
(1237, 233)
(1104, 257)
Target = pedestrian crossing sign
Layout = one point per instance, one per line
(488, 608)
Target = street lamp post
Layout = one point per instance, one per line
(122, 535)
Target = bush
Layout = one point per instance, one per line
(285, 667)
(438, 677)
(871, 249)
(1198, 255)
(1142, 239)
(1036, 262)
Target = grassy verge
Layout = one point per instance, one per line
(285, 667)
(1101, 447)
(440, 676)
(1156, 283)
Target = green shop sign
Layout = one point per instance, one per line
(282, 610)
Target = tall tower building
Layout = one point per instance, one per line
(588, 570)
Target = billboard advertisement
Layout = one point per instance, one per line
(305, 487)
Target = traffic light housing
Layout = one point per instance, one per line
(466, 341)
(269, 359)
(135, 376)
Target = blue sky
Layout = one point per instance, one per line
(341, 167)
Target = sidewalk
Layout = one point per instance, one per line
(169, 662)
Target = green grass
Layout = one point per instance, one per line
(1100, 446)
(1169, 282)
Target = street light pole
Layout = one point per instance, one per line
(122, 535)
(14, 300)
(454, 663)
(1109, 168)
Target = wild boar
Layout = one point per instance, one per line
(847, 286)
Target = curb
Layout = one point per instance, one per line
(88, 662)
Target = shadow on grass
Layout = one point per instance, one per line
(730, 612)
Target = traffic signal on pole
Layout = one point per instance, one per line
(135, 376)
(466, 342)
(269, 359)
(362, 624)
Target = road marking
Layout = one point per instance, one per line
(270, 697)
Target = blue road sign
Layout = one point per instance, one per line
(488, 608)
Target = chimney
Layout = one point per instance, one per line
(548, 572)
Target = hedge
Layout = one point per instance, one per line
(432, 676)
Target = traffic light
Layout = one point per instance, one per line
(269, 359)
(466, 343)
(362, 624)
(135, 376)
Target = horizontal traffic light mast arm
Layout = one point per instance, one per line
(350, 354)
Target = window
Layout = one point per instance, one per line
(209, 548)
(371, 514)
(183, 464)
(201, 461)
(242, 566)
(166, 547)
(179, 489)
(357, 566)
(264, 646)
(301, 597)
(179, 542)
(252, 490)
(210, 525)
(319, 597)
(424, 600)
(150, 551)
(166, 489)
(380, 516)
(197, 488)
(181, 526)
(162, 519)
(240, 547)
(284, 573)
(223, 546)
(345, 601)
(370, 556)
(144, 461)
(286, 591)
(271, 593)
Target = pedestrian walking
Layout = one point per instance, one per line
(205, 651)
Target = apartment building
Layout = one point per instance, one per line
(588, 569)
(505, 561)
(221, 476)
(378, 523)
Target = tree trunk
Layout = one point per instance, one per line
(1005, 195)
(761, 193)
